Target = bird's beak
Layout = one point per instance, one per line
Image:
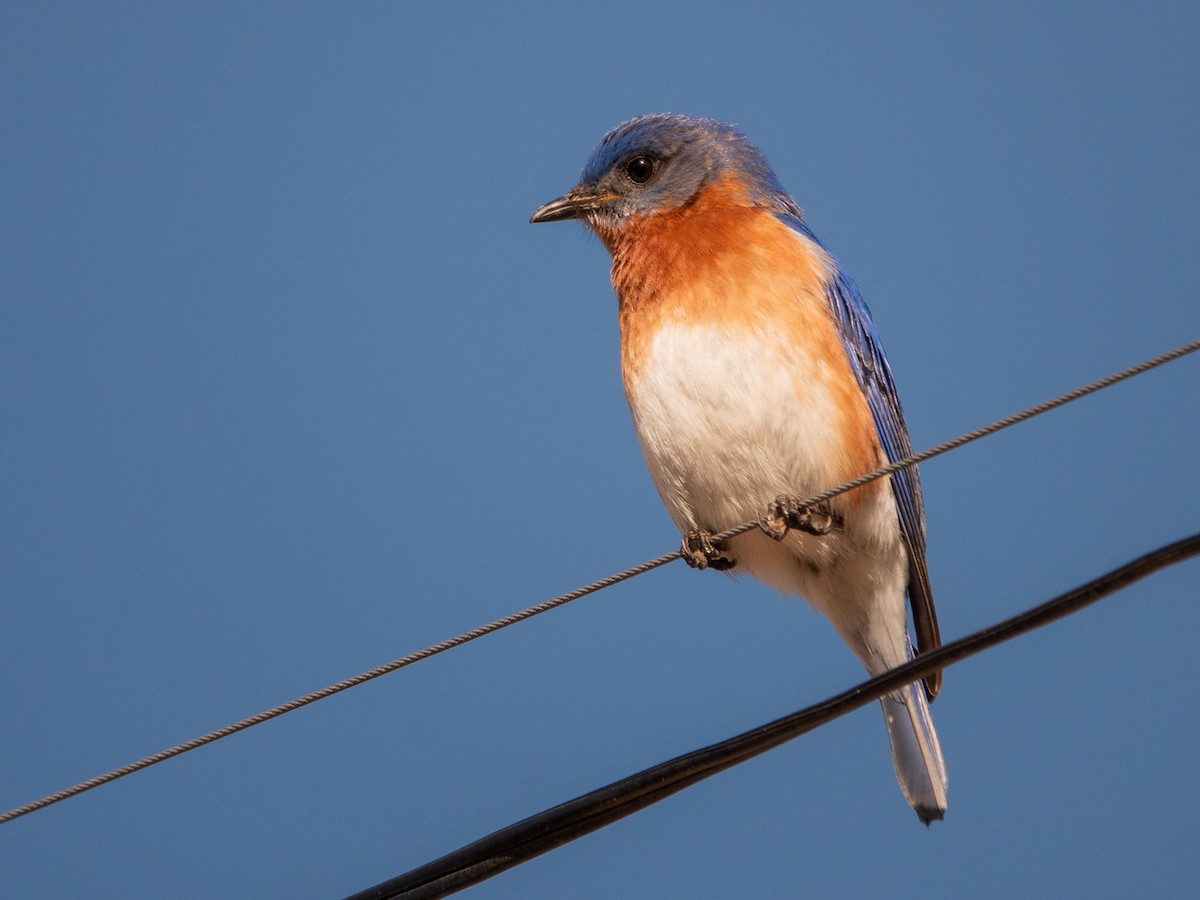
(571, 205)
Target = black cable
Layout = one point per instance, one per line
(561, 824)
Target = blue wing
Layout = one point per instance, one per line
(865, 352)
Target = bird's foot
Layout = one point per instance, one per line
(790, 512)
(700, 552)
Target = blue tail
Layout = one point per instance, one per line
(916, 752)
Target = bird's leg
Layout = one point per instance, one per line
(789, 512)
(699, 551)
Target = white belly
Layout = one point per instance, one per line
(723, 428)
(729, 419)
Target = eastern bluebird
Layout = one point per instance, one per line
(756, 377)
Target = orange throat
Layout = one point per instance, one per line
(733, 269)
(718, 260)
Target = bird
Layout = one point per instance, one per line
(756, 378)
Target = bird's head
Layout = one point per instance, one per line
(662, 162)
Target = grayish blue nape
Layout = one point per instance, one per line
(692, 152)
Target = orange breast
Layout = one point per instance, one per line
(721, 262)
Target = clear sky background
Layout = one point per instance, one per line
(289, 388)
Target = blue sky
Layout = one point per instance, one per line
(290, 388)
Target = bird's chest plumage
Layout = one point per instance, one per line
(736, 375)
(728, 418)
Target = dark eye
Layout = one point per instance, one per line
(640, 169)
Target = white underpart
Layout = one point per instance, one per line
(724, 431)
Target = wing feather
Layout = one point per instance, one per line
(865, 352)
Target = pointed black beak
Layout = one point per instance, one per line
(571, 205)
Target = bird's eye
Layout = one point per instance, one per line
(640, 169)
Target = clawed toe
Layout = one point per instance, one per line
(787, 512)
(700, 552)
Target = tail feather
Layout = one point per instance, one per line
(916, 752)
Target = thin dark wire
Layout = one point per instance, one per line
(395, 664)
(998, 425)
(561, 824)
(631, 572)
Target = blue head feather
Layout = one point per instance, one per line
(687, 154)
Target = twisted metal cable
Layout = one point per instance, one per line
(563, 599)
(332, 689)
(999, 425)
